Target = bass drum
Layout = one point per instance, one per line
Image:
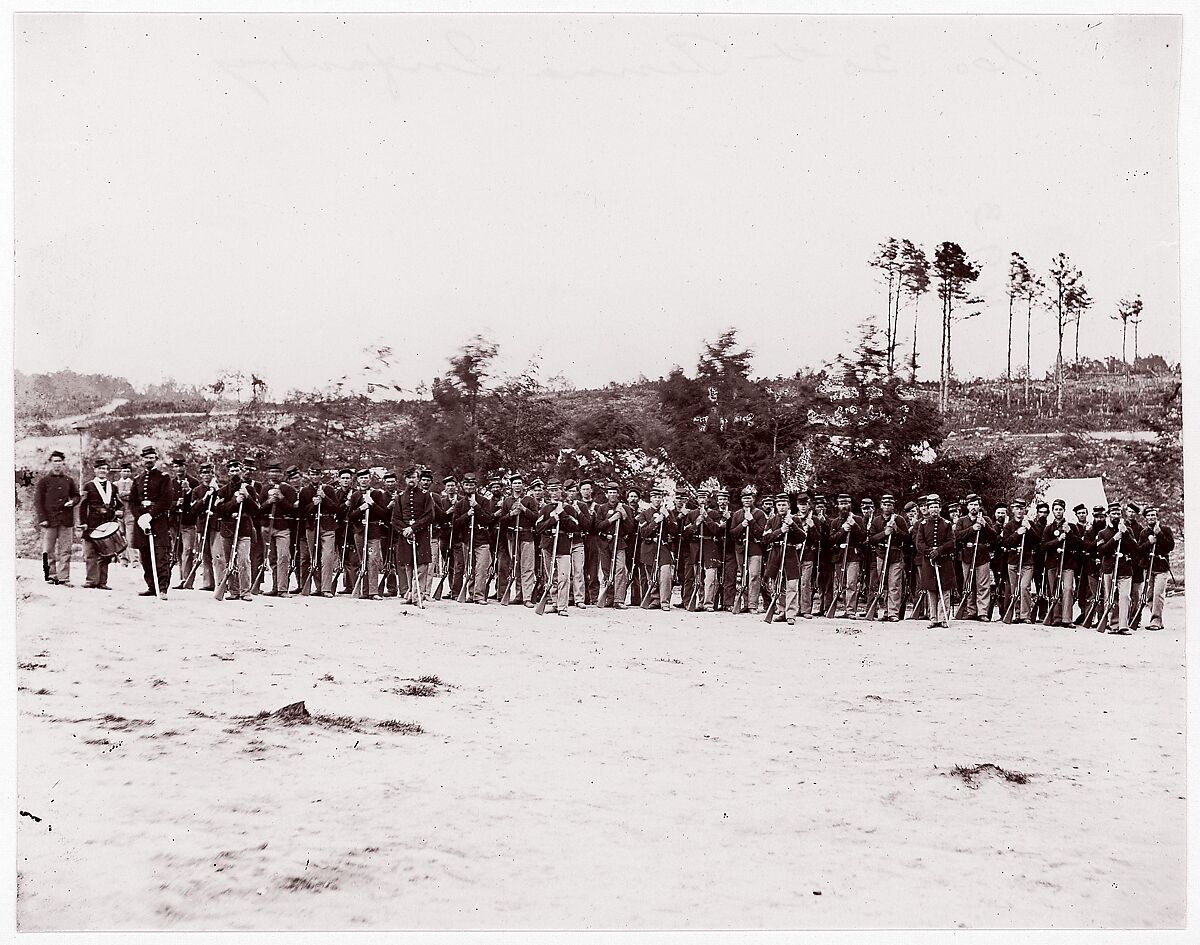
(108, 539)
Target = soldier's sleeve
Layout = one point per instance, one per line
(1166, 541)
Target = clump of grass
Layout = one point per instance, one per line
(31, 666)
(416, 689)
(403, 728)
(970, 776)
(430, 680)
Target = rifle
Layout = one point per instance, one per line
(1147, 593)
(256, 587)
(1056, 605)
(469, 565)
(719, 602)
(741, 595)
(607, 578)
(646, 597)
(1001, 589)
(341, 568)
(541, 604)
(780, 581)
(840, 588)
(190, 581)
(873, 609)
(389, 560)
(231, 566)
(495, 566)
(943, 610)
(1102, 617)
(698, 573)
(314, 565)
(1015, 592)
(362, 585)
(969, 592)
(448, 566)
(514, 565)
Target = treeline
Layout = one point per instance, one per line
(908, 273)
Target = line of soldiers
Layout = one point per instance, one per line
(556, 544)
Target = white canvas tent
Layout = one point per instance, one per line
(1089, 491)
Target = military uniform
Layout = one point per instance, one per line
(974, 535)
(99, 505)
(153, 494)
(935, 546)
(887, 533)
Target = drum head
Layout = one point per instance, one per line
(103, 531)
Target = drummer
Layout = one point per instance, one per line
(99, 506)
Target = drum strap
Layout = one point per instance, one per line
(105, 490)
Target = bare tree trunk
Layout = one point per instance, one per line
(1124, 332)
(1078, 319)
(1058, 362)
(1008, 370)
(1028, 348)
(1135, 343)
(916, 307)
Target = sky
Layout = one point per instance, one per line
(275, 193)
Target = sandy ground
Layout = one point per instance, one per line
(639, 770)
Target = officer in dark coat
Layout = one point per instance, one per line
(935, 552)
(151, 499)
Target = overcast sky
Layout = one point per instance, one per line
(273, 193)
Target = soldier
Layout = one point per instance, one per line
(887, 533)
(522, 516)
(746, 527)
(183, 520)
(277, 502)
(591, 541)
(474, 515)
(201, 501)
(556, 522)
(389, 583)
(1021, 536)
(975, 532)
(55, 502)
(1061, 544)
(206, 498)
(658, 527)
(785, 536)
(866, 552)
(1160, 542)
(1118, 545)
(367, 511)
(633, 499)
(820, 539)
(128, 518)
(846, 536)
(578, 536)
(1093, 566)
(998, 553)
(320, 509)
(99, 505)
(257, 545)
(348, 553)
(703, 531)
(413, 515)
(912, 569)
(727, 572)
(935, 551)
(237, 506)
(614, 522)
(1138, 577)
(152, 496)
(452, 496)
